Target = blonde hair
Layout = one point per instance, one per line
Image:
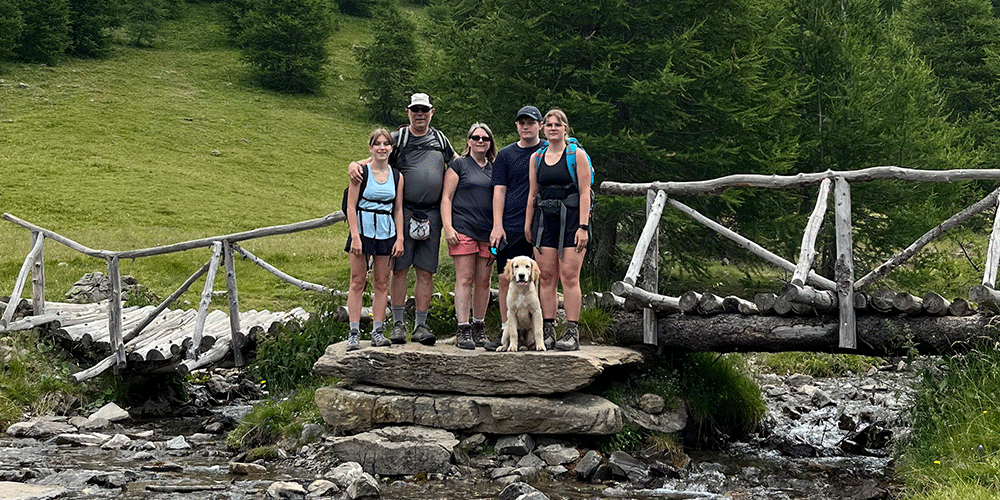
(491, 152)
(379, 132)
(560, 115)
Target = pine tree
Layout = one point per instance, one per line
(11, 25)
(284, 41)
(144, 19)
(91, 25)
(389, 64)
(45, 36)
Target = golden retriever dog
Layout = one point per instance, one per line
(523, 329)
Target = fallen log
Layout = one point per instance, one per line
(877, 334)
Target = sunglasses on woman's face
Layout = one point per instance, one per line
(484, 138)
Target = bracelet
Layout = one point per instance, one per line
(585, 227)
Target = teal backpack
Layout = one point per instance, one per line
(571, 144)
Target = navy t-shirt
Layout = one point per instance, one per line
(511, 169)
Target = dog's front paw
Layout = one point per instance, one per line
(540, 347)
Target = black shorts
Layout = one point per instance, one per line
(371, 246)
(550, 228)
(514, 249)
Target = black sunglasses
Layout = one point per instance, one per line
(484, 138)
(420, 109)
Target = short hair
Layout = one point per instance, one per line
(491, 152)
(379, 132)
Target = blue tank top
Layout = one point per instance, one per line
(375, 208)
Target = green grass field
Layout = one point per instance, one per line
(157, 146)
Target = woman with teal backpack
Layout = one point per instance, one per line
(374, 219)
(557, 222)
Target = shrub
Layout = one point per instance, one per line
(358, 8)
(45, 35)
(275, 419)
(284, 41)
(723, 401)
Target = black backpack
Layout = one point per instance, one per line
(403, 139)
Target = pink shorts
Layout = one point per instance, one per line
(469, 246)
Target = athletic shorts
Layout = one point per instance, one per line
(469, 246)
(513, 249)
(371, 246)
(422, 253)
(550, 228)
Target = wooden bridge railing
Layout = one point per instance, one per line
(806, 286)
(223, 249)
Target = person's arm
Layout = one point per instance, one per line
(447, 196)
(529, 210)
(397, 215)
(353, 193)
(583, 185)
(499, 200)
(354, 170)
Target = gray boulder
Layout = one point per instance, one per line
(397, 451)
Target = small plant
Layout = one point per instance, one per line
(721, 397)
(275, 419)
(594, 324)
(814, 364)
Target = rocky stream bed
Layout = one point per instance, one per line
(822, 438)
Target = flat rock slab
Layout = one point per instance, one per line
(358, 408)
(22, 491)
(445, 368)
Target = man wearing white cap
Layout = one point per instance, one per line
(422, 159)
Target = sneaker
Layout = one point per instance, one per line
(570, 340)
(354, 341)
(479, 333)
(378, 338)
(463, 338)
(423, 335)
(549, 335)
(398, 333)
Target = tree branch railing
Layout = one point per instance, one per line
(223, 250)
(807, 287)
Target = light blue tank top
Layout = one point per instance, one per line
(375, 208)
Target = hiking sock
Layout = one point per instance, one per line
(398, 314)
(356, 325)
(376, 325)
(420, 318)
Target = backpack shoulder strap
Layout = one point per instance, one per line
(571, 159)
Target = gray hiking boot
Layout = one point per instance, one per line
(494, 344)
(570, 340)
(549, 335)
(479, 333)
(398, 333)
(378, 338)
(423, 335)
(463, 338)
(354, 341)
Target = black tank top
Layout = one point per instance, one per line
(554, 181)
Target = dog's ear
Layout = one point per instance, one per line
(536, 273)
(508, 270)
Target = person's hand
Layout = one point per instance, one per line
(397, 248)
(582, 236)
(355, 172)
(356, 246)
(496, 236)
(451, 236)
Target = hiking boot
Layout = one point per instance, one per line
(423, 335)
(354, 341)
(570, 340)
(398, 333)
(463, 338)
(479, 333)
(494, 344)
(378, 338)
(549, 335)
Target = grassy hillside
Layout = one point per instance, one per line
(157, 146)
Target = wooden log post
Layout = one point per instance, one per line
(985, 296)
(22, 277)
(734, 304)
(765, 302)
(38, 277)
(115, 313)
(935, 304)
(844, 266)
(303, 285)
(655, 201)
(238, 339)
(808, 253)
(710, 303)
(823, 300)
(909, 304)
(881, 301)
(993, 251)
(688, 301)
(657, 302)
(961, 307)
(206, 299)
